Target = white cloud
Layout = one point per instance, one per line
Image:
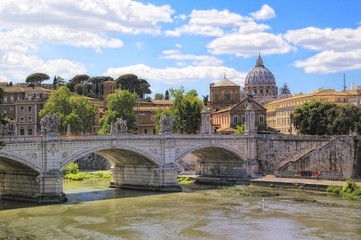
(325, 39)
(196, 60)
(266, 12)
(331, 61)
(208, 23)
(179, 75)
(247, 45)
(26, 26)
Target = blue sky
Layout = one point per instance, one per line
(307, 44)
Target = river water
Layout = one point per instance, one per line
(94, 211)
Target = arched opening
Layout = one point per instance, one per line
(212, 161)
(17, 180)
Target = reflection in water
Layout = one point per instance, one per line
(94, 211)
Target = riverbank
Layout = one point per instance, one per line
(270, 181)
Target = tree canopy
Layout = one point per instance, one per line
(185, 110)
(119, 104)
(133, 84)
(321, 118)
(158, 96)
(72, 109)
(36, 79)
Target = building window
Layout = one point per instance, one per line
(235, 119)
(21, 109)
(261, 119)
(4, 110)
(145, 131)
(216, 97)
(11, 109)
(29, 108)
(227, 97)
(22, 120)
(30, 119)
(154, 132)
(11, 99)
(5, 100)
(30, 131)
(22, 131)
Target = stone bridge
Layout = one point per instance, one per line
(30, 168)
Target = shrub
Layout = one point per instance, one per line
(349, 187)
(334, 189)
(71, 168)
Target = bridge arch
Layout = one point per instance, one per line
(118, 155)
(212, 159)
(196, 148)
(19, 162)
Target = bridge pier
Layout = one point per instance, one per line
(145, 177)
(31, 187)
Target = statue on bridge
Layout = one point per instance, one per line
(120, 126)
(49, 125)
(166, 125)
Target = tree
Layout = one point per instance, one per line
(10, 84)
(98, 85)
(131, 83)
(166, 96)
(158, 96)
(58, 81)
(186, 110)
(3, 118)
(240, 129)
(119, 104)
(81, 78)
(82, 116)
(314, 117)
(347, 120)
(36, 79)
(71, 109)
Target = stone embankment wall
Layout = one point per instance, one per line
(93, 162)
(320, 157)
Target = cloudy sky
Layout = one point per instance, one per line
(307, 44)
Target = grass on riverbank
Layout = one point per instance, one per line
(185, 180)
(72, 173)
(349, 190)
(96, 176)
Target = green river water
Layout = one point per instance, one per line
(94, 211)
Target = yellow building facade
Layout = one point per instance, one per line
(279, 112)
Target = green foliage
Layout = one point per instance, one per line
(349, 187)
(320, 118)
(58, 81)
(334, 189)
(349, 190)
(80, 176)
(72, 109)
(166, 95)
(131, 83)
(185, 180)
(119, 104)
(158, 115)
(241, 127)
(35, 79)
(186, 110)
(314, 117)
(158, 96)
(71, 168)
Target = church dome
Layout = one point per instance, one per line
(260, 75)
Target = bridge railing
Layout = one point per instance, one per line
(24, 139)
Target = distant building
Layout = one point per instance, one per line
(279, 112)
(21, 105)
(109, 87)
(145, 111)
(226, 120)
(223, 94)
(261, 83)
